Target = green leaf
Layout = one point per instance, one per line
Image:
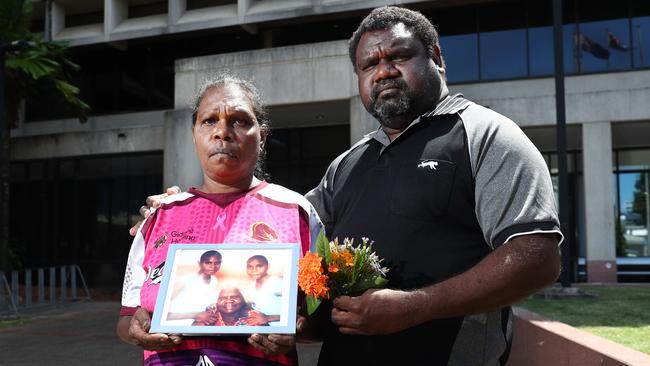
(380, 281)
(312, 304)
(323, 247)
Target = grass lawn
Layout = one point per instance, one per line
(12, 323)
(618, 313)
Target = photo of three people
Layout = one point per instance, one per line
(219, 289)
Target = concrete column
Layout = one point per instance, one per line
(361, 122)
(175, 10)
(180, 165)
(54, 19)
(599, 208)
(242, 9)
(115, 12)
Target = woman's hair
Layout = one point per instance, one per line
(224, 79)
(209, 254)
(260, 258)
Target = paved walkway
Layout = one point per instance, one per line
(80, 334)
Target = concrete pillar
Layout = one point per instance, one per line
(180, 165)
(599, 207)
(115, 12)
(175, 10)
(242, 9)
(54, 19)
(361, 122)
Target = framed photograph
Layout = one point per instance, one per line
(221, 289)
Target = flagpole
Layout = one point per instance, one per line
(560, 112)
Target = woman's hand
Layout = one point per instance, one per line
(273, 344)
(256, 318)
(205, 318)
(138, 328)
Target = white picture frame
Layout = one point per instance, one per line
(183, 264)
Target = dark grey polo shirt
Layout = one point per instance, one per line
(460, 181)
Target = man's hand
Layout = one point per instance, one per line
(138, 328)
(273, 344)
(374, 312)
(152, 203)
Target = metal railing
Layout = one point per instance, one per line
(52, 285)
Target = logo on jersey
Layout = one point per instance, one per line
(158, 243)
(183, 236)
(261, 231)
(204, 361)
(155, 274)
(431, 164)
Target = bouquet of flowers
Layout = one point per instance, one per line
(339, 269)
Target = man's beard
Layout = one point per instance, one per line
(386, 110)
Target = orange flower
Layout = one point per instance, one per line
(348, 258)
(333, 268)
(310, 276)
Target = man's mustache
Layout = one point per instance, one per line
(387, 84)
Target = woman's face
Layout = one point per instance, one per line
(256, 269)
(230, 301)
(227, 137)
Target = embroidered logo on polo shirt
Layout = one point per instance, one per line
(431, 164)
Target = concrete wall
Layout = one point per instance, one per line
(615, 97)
(542, 342)
(285, 75)
(117, 26)
(124, 133)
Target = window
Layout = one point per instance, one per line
(79, 210)
(632, 178)
(502, 40)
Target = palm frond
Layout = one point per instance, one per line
(15, 20)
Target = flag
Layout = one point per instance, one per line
(615, 43)
(592, 47)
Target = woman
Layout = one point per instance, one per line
(229, 129)
(265, 290)
(231, 309)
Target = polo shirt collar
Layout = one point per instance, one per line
(452, 104)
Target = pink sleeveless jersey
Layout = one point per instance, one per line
(266, 214)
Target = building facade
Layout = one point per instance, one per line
(79, 186)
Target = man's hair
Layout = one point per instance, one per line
(209, 254)
(260, 258)
(388, 16)
(224, 79)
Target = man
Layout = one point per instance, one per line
(456, 198)
(458, 201)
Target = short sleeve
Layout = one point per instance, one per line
(134, 275)
(513, 188)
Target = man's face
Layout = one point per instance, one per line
(396, 76)
(230, 301)
(256, 269)
(210, 266)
